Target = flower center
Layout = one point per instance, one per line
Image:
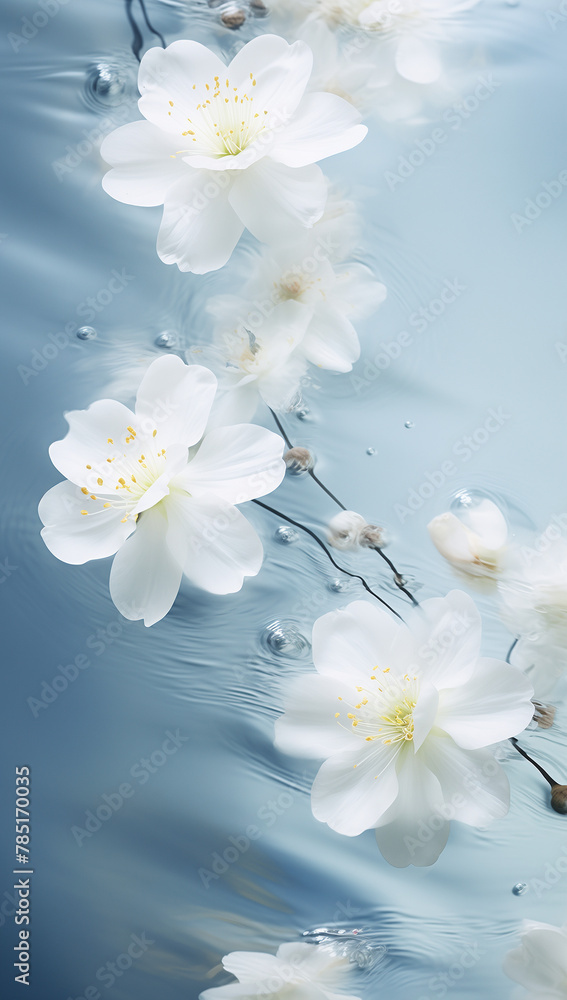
(125, 475)
(224, 122)
(376, 15)
(385, 712)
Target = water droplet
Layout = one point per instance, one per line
(304, 413)
(520, 888)
(285, 639)
(86, 333)
(286, 535)
(167, 339)
(409, 424)
(107, 82)
(371, 450)
(339, 586)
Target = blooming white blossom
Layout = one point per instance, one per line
(298, 971)
(540, 963)
(475, 542)
(403, 715)
(227, 148)
(158, 489)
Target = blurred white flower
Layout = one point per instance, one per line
(540, 963)
(403, 714)
(475, 542)
(157, 489)
(298, 971)
(331, 297)
(534, 607)
(249, 136)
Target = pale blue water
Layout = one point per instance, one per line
(205, 670)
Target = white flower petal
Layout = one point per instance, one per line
(199, 229)
(273, 200)
(451, 539)
(236, 464)
(424, 713)
(74, 537)
(309, 727)
(540, 964)
(353, 642)
(217, 546)
(406, 835)
(281, 72)
(177, 399)
(86, 442)
(353, 790)
(250, 966)
(494, 704)
(324, 124)
(232, 991)
(145, 576)
(475, 788)
(358, 292)
(331, 341)
(447, 633)
(168, 75)
(144, 164)
(489, 523)
(417, 61)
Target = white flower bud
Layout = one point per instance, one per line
(344, 531)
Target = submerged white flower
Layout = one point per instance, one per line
(257, 366)
(298, 971)
(227, 148)
(540, 963)
(475, 542)
(403, 715)
(534, 607)
(534, 592)
(329, 297)
(157, 489)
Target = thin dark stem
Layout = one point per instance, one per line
(138, 41)
(303, 527)
(149, 24)
(398, 578)
(280, 427)
(511, 650)
(547, 777)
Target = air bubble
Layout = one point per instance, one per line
(409, 424)
(304, 413)
(285, 639)
(86, 333)
(167, 339)
(520, 888)
(371, 450)
(286, 535)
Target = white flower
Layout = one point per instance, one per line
(475, 542)
(534, 607)
(534, 592)
(157, 489)
(402, 715)
(299, 971)
(330, 296)
(227, 148)
(252, 367)
(540, 963)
